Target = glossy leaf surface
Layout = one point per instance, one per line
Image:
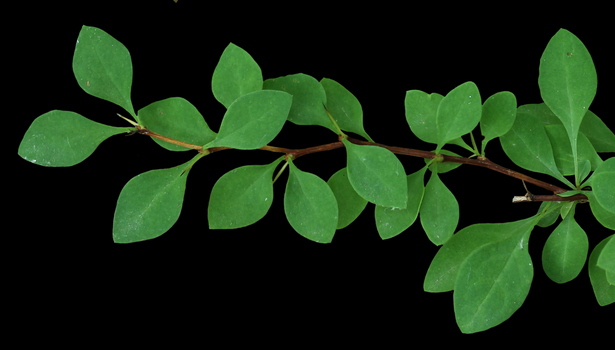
(344, 107)
(603, 289)
(349, 203)
(63, 138)
(103, 67)
(458, 113)
(150, 203)
(439, 211)
(235, 75)
(242, 196)
(310, 206)
(377, 175)
(253, 120)
(178, 119)
(498, 116)
(421, 109)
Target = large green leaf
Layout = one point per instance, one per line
(309, 99)
(528, 146)
(150, 203)
(178, 119)
(242, 196)
(421, 109)
(392, 221)
(568, 81)
(458, 113)
(310, 206)
(498, 116)
(565, 251)
(603, 289)
(344, 107)
(439, 211)
(253, 120)
(377, 175)
(443, 270)
(235, 75)
(63, 138)
(492, 283)
(103, 67)
(349, 203)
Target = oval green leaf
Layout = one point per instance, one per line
(344, 107)
(103, 67)
(421, 109)
(439, 211)
(236, 74)
(350, 204)
(498, 116)
(458, 113)
(63, 138)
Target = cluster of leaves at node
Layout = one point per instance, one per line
(486, 265)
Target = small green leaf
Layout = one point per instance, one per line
(103, 67)
(605, 218)
(150, 203)
(421, 109)
(235, 75)
(63, 138)
(492, 283)
(178, 119)
(458, 113)
(377, 175)
(310, 206)
(253, 120)
(552, 214)
(603, 289)
(344, 107)
(392, 221)
(606, 260)
(242, 196)
(439, 211)
(350, 204)
(498, 116)
(309, 99)
(602, 182)
(565, 251)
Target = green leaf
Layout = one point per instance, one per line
(528, 146)
(562, 153)
(551, 215)
(309, 99)
(603, 184)
(103, 67)
(253, 120)
(421, 109)
(344, 107)
(377, 175)
(604, 291)
(178, 119)
(498, 116)
(63, 138)
(605, 218)
(236, 74)
(601, 137)
(242, 196)
(567, 81)
(541, 112)
(565, 251)
(350, 204)
(606, 260)
(150, 203)
(442, 272)
(458, 113)
(310, 206)
(439, 211)
(392, 221)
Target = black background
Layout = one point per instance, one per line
(266, 282)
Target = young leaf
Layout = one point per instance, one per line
(350, 204)
(309, 99)
(377, 175)
(442, 272)
(392, 221)
(565, 251)
(528, 146)
(63, 138)
(603, 289)
(150, 203)
(498, 116)
(421, 109)
(253, 120)
(235, 75)
(103, 67)
(458, 113)
(492, 283)
(344, 107)
(439, 211)
(567, 81)
(178, 119)
(310, 206)
(242, 196)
